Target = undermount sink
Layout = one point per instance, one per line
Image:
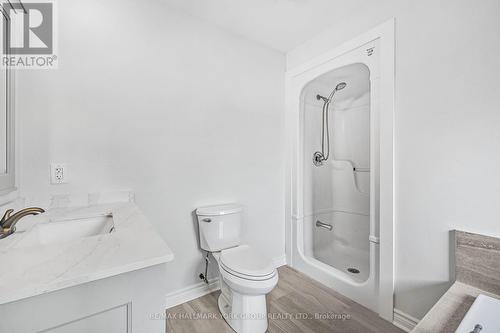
(59, 231)
(483, 316)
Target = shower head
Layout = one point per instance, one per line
(340, 86)
(328, 100)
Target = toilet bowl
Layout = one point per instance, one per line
(245, 275)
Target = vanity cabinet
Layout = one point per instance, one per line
(125, 303)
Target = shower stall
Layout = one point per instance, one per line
(337, 178)
(333, 232)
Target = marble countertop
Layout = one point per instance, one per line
(35, 270)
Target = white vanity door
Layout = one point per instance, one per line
(115, 320)
(132, 302)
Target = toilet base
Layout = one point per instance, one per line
(244, 313)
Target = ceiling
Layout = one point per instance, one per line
(279, 24)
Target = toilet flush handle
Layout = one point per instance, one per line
(207, 220)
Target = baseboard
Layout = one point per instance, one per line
(191, 292)
(279, 261)
(404, 321)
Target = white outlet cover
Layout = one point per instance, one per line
(58, 173)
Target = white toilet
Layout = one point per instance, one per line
(245, 275)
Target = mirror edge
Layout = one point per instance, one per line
(8, 180)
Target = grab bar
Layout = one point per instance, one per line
(320, 224)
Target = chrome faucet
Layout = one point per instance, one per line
(478, 328)
(8, 221)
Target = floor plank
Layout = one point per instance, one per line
(298, 304)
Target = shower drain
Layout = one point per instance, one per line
(353, 270)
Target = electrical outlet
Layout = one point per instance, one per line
(58, 173)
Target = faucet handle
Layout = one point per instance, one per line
(6, 216)
(5, 232)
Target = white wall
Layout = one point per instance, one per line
(177, 110)
(447, 130)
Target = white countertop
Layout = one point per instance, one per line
(35, 270)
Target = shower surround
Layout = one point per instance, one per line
(337, 191)
(337, 232)
(337, 106)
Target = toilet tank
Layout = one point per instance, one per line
(219, 226)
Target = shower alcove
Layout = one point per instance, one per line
(340, 212)
(337, 192)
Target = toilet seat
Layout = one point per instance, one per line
(247, 277)
(246, 263)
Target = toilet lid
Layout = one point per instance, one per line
(244, 260)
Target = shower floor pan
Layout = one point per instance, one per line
(346, 260)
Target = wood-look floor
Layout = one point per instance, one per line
(294, 297)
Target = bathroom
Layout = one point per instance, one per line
(337, 158)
